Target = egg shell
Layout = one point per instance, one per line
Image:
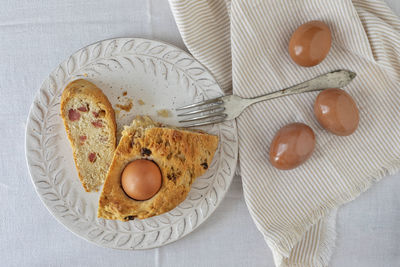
(141, 179)
(336, 111)
(292, 145)
(310, 43)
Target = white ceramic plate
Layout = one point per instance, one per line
(163, 77)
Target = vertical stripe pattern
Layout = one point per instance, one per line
(244, 44)
(204, 26)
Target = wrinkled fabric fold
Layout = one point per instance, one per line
(244, 44)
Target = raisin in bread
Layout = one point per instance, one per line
(89, 120)
(181, 155)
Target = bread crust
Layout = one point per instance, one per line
(181, 155)
(83, 89)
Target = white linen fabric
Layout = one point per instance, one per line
(36, 37)
(295, 210)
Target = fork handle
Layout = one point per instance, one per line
(333, 79)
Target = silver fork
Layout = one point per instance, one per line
(231, 106)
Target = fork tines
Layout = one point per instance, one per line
(209, 111)
(217, 100)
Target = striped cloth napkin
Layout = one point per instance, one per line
(244, 44)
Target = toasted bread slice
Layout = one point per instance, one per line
(89, 120)
(181, 155)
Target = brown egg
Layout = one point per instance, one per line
(310, 43)
(336, 111)
(141, 179)
(292, 145)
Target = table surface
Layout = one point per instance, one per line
(36, 36)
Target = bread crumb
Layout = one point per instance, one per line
(85, 74)
(163, 113)
(152, 106)
(127, 107)
(141, 102)
(117, 111)
(124, 93)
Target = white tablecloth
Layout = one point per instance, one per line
(35, 37)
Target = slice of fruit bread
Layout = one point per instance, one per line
(181, 154)
(89, 120)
